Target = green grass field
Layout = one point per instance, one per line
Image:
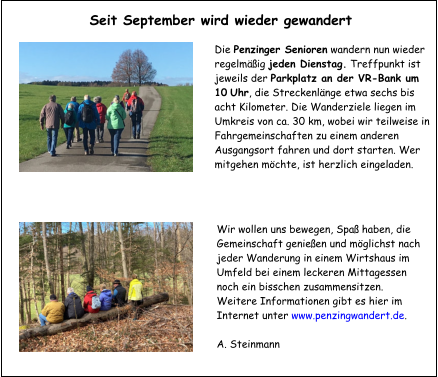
(171, 146)
(171, 142)
(33, 141)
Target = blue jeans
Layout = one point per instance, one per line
(69, 134)
(100, 128)
(43, 319)
(92, 134)
(115, 139)
(136, 123)
(52, 138)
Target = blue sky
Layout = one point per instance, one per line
(89, 61)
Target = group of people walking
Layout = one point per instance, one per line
(91, 117)
(72, 308)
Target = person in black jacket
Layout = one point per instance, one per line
(73, 305)
(119, 295)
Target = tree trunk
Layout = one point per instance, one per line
(21, 304)
(162, 235)
(26, 304)
(84, 253)
(157, 281)
(68, 257)
(90, 317)
(91, 253)
(46, 257)
(31, 271)
(114, 249)
(43, 291)
(122, 250)
(61, 261)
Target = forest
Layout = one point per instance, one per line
(54, 256)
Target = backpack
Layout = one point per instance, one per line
(69, 118)
(136, 106)
(87, 113)
(95, 302)
(126, 96)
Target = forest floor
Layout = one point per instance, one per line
(160, 328)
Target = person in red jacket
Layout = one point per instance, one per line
(101, 109)
(136, 105)
(126, 96)
(88, 301)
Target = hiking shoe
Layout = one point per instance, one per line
(86, 153)
(68, 146)
(91, 149)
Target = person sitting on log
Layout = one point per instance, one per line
(73, 305)
(105, 298)
(135, 295)
(119, 295)
(53, 312)
(92, 302)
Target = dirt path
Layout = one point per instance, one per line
(132, 151)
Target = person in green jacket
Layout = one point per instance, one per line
(135, 295)
(69, 123)
(115, 116)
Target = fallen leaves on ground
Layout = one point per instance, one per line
(162, 328)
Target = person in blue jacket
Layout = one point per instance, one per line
(105, 298)
(71, 117)
(76, 108)
(88, 120)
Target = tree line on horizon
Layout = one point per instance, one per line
(96, 83)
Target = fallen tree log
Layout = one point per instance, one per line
(90, 318)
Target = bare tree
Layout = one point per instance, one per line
(123, 70)
(31, 271)
(46, 257)
(122, 250)
(84, 253)
(142, 68)
(91, 252)
(61, 260)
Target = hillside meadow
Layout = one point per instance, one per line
(171, 141)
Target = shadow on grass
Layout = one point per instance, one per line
(90, 157)
(28, 117)
(172, 139)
